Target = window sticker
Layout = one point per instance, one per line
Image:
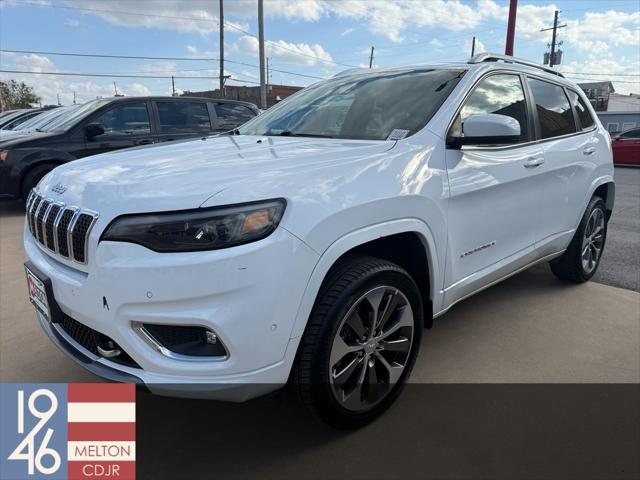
(398, 134)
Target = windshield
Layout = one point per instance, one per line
(40, 119)
(368, 107)
(64, 123)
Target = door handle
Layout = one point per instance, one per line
(144, 142)
(589, 150)
(533, 162)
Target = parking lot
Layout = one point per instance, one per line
(529, 329)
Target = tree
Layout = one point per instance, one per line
(17, 95)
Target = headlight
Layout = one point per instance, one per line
(3, 155)
(199, 229)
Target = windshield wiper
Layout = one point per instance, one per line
(289, 133)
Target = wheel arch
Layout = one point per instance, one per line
(606, 191)
(27, 170)
(380, 240)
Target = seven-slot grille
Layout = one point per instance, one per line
(60, 228)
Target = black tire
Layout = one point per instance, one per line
(347, 283)
(32, 178)
(569, 266)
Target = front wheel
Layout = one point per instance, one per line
(360, 343)
(581, 259)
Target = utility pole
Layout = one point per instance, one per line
(173, 86)
(552, 56)
(74, 97)
(371, 57)
(263, 87)
(59, 99)
(267, 74)
(115, 89)
(473, 46)
(511, 27)
(221, 19)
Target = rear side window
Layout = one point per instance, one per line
(129, 119)
(554, 111)
(183, 117)
(232, 115)
(586, 120)
(631, 134)
(501, 94)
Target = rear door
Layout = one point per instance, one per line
(569, 150)
(492, 206)
(182, 119)
(126, 124)
(231, 115)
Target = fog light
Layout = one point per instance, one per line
(182, 342)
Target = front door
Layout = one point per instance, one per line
(125, 125)
(493, 193)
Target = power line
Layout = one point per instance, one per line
(140, 57)
(109, 75)
(173, 17)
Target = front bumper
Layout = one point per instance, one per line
(249, 295)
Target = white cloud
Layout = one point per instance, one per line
(72, 22)
(300, 53)
(50, 86)
(347, 31)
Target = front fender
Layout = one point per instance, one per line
(358, 237)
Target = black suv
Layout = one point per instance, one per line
(110, 124)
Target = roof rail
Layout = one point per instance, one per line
(495, 57)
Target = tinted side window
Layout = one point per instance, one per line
(183, 117)
(231, 115)
(554, 111)
(129, 119)
(500, 94)
(586, 120)
(631, 134)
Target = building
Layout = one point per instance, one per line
(598, 94)
(616, 112)
(275, 93)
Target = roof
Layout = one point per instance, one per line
(594, 85)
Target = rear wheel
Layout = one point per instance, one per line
(360, 343)
(580, 261)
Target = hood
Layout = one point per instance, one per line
(22, 139)
(185, 175)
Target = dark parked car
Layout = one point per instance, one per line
(110, 124)
(626, 147)
(12, 120)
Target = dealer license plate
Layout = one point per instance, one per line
(38, 294)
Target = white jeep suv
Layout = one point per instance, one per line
(313, 244)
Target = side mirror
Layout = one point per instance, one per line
(487, 129)
(93, 129)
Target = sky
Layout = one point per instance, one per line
(306, 40)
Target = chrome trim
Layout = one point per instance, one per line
(32, 222)
(108, 353)
(56, 223)
(138, 327)
(495, 57)
(94, 217)
(44, 225)
(35, 219)
(72, 224)
(546, 258)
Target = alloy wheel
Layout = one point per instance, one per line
(593, 240)
(371, 348)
